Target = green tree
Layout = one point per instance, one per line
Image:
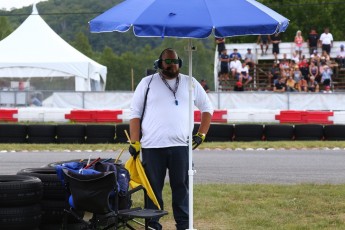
(5, 27)
(82, 44)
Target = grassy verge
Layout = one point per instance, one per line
(251, 207)
(206, 145)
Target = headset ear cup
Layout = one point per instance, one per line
(159, 64)
(179, 62)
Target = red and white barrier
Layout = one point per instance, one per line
(30, 114)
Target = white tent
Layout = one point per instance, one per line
(35, 50)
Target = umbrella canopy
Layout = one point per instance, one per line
(138, 177)
(190, 19)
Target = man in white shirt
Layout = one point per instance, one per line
(159, 114)
(243, 73)
(326, 40)
(341, 57)
(235, 65)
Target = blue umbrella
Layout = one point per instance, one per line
(190, 19)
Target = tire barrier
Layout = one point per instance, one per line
(220, 132)
(248, 132)
(40, 134)
(334, 132)
(309, 132)
(99, 134)
(71, 134)
(93, 134)
(20, 198)
(13, 133)
(278, 132)
(120, 133)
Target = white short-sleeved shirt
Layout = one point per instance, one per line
(165, 124)
(326, 38)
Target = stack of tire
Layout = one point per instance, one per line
(20, 198)
(53, 199)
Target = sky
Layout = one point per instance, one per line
(8, 4)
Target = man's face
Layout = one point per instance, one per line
(170, 67)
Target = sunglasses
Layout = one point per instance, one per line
(171, 61)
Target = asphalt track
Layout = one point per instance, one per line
(218, 166)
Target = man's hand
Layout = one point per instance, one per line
(134, 149)
(198, 139)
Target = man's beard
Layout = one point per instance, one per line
(170, 73)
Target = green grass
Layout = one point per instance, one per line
(264, 207)
(206, 145)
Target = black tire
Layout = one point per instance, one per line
(120, 133)
(309, 132)
(220, 132)
(19, 190)
(70, 134)
(334, 132)
(53, 212)
(279, 132)
(19, 218)
(100, 134)
(10, 133)
(52, 186)
(248, 132)
(41, 134)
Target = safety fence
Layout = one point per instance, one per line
(31, 114)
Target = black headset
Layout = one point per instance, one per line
(158, 63)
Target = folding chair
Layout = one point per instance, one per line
(98, 194)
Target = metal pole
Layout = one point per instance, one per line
(191, 125)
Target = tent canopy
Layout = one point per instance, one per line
(35, 50)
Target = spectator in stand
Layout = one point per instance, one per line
(238, 86)
(303, 66)
(302, 85)
(325, 56)
(284, 67)
(264, 40)
(341, 57)
(204, 85)
(313, 70)
(275, 39)
(224, 66)
(279, 86)
(326, 40)
(313, 86)
(250, 58)
(326, 76)
(295, 57)
(243, 73)
(297, 74)
(313, 40)
(299, 43)
(220, 45)
(315, 56)
(235, 65)
(291, 84)
(273, 74)
(235, 53)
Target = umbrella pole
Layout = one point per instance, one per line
(191, 125)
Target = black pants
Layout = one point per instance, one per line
(327, 48)
(156, 161)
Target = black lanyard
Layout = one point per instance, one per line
(176, 87)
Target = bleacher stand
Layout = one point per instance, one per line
(260, 71)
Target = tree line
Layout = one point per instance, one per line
(127, 56)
